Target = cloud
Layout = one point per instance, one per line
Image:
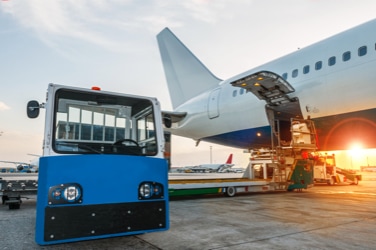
(205, 10)
(106, 23)
(3, 106)
(53, 20)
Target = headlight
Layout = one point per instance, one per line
(68, 193)
(150, 190)
(72, 193)
(145, 190)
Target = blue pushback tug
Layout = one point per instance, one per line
(102, 173)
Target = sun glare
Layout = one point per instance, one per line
(356, 149)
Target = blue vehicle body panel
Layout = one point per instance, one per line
(83, 197)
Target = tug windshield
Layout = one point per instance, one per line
(97, 123)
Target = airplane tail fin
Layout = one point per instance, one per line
(229, 160)
(186, 76)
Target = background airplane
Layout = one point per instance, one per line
(331, 81)
(209, 168)
(20, 167)
(219, 168)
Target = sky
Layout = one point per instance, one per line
(112, 44)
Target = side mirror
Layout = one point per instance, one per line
(32, 109)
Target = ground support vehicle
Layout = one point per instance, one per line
(326, 171)
(102, 173)
(295, 177)
(14, 186)
(212, 185)
(286, 167)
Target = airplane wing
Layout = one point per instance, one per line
(171, 117)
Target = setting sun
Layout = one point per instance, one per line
(356, 149)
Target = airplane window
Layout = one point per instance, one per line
(306, 69)
(234, 93)
(362, 51)
(332, 61)
(346, 56)
(318, 65)
(294, 73)
(284, 76)
(241, 91)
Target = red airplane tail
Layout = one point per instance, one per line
(229, 159)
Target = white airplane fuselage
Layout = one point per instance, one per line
(340, 98)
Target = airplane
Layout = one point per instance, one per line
(332, 82)
(210, 168)
(22, 167)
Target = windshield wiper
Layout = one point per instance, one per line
(83, 146)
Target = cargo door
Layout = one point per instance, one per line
(280, 106)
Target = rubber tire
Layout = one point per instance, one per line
(4, 198)
(230, 191)
(14, 206)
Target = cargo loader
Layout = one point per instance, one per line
(286, 167)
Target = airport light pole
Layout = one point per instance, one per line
(211, 156)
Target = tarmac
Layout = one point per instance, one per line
(342, 216)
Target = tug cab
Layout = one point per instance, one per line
(103, 172)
